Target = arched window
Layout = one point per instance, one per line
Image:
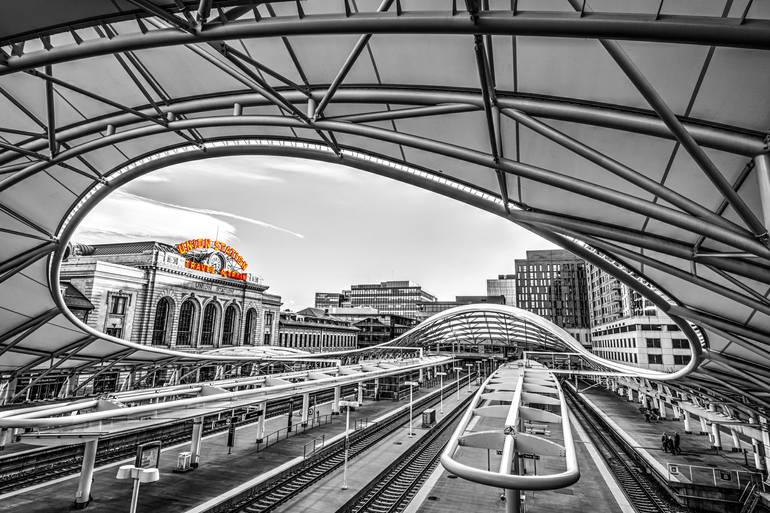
(229, 329)
(184, 334)
(161, 322)
(209, 324)
(251, 318)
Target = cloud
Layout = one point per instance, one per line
(132, 217)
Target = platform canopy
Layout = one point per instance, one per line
(631, 132)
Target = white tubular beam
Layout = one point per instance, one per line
(195, 442)
(83, 494)
(305, 408)
(506, 477)
(261, 424)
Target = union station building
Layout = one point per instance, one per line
(183, 297)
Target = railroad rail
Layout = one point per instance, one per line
(38, 466)
(270, 494)
(393, 489)
(644, 493)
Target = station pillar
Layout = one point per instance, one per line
(716, 434)
(662, 406)
(704, 428)
(83, 494)
(421, 376)
(360, 392)
(8, 390)
(376, 389)
(5, 436)
(630, 393)
(305, 408)
(677, 412)
(758, 461)
(261, 424)
(336, 401)
(195, 442)
(736, 441)
(686, 417)
(765, 440)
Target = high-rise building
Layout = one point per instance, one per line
(429, 308)
(332, 299)
(552, 284)
(628, 328)
(504, 285)
(390, 297)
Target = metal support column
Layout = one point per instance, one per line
(336, 402)
(662, 406)
(630, 393)
(716, 437)
(765, 442)
(686, 417)
(195, 442)
(736, 441)
(762, 165)
(704, 429)
(376, 389)
(261, 424)
(361, 393)
(305, 408)
(83, 494)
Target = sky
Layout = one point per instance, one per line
(306, 226)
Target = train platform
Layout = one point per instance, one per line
(327, 495)
(219, 472)
(596, 490)
(698, 462)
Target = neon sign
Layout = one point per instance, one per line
(214, 257)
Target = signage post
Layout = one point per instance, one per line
(470, 366)
(457, 377)
(411, 385)
(144, 469)
(349, 404)
(441, 391)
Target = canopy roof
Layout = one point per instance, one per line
(631, 132)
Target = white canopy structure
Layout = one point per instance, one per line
(631, 132)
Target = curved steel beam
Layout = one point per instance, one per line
(670, 28)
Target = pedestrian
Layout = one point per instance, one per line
(663, 441)
(647, 417)
(677, 449)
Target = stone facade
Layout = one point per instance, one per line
(139, 289)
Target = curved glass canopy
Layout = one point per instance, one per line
(633, 133)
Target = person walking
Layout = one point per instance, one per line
(664, 441)
(677, 449)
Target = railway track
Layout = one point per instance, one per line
(27, 469)
(267, 496)
(643, 492)
(394, 488)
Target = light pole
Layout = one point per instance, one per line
(457, 377)
(470, 366)
(349, 404)
(441, 391)
(139, 475)
(411, 384)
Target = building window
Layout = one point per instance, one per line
(115, 332)
(184, 329)
(161, 322)
(268, 327)
(655, 358)
(118, 305)
(680, 343)
(229, 328)
(681, 359)
(653, 342)
(247, 331)
(209, 321)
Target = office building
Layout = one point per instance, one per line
(391, 297)
(314, 330)
(504, 285)
(552, 283)
(429, 308)
(627, 328)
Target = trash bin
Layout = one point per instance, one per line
(183, 462)
(428, 417)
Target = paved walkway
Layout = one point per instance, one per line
(709, 467)
(445, 492)
(218, 473)
(327, 495)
